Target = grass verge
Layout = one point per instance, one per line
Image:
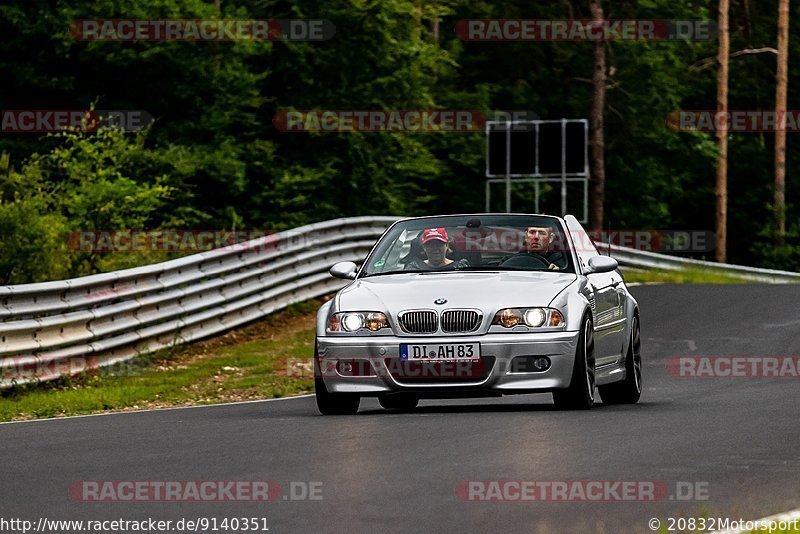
(267, 359)
(686, 276)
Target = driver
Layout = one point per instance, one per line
(538, 241)
(435, 245)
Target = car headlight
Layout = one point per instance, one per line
(532, 317)
(355, 321)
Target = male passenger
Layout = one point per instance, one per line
(435, 245)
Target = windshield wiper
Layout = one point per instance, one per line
(394, 272)
(500, 268)
(489, 268)
(476, 268)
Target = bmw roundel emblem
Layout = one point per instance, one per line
(440, 301)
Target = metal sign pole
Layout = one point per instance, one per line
(563, 167)
(541, 171)
(508, 167)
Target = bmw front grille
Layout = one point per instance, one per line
(427, 321)
(460, 321)
(418, 321)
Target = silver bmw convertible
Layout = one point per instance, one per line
(479, 305)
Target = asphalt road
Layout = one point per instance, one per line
(738, 439)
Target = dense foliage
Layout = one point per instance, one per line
(213, 158)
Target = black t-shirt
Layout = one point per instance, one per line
(551, 256)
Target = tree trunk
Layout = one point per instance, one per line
(721, 187)
(597, 166)
(435, 22)
(217, 56)
(780, 135)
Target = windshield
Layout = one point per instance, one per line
(472, 242)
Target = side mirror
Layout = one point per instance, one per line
(602, 264)
(345, 270)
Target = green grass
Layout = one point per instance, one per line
(686, 276)
(223, 369)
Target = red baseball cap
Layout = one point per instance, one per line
(434, 233)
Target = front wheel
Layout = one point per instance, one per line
(335, 403)
(332, 403)
(629, 390)
(580, 393)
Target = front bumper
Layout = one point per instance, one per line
(495, 374)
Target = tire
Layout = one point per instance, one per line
(628, 390)
(335, 403)
(402, 402)
(580, 393)
(332, 403)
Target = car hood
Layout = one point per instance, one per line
(485, 291)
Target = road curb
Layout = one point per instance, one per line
(163, 409)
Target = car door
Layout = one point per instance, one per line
(608, 294)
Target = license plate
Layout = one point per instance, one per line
(438, 352)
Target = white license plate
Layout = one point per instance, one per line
(437, 352)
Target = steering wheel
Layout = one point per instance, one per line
(526, 261)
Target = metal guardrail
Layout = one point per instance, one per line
(629, 257)
(54, 328)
